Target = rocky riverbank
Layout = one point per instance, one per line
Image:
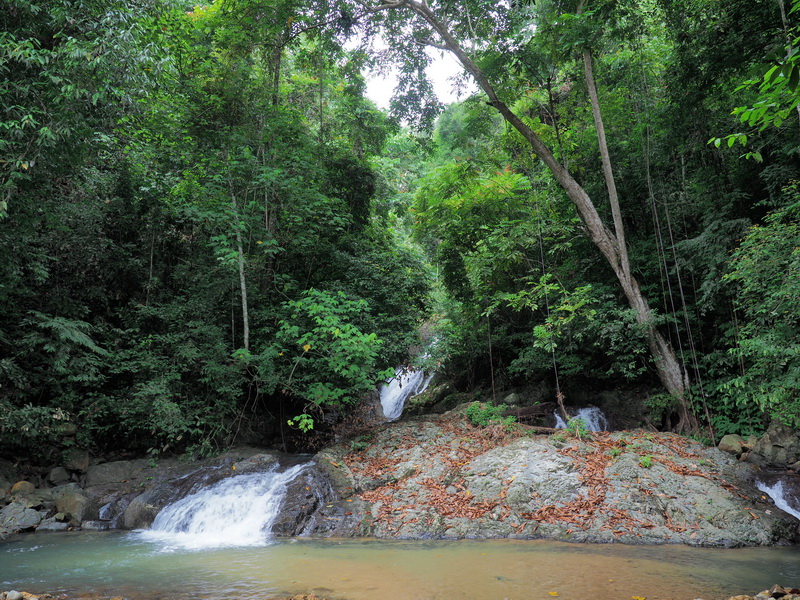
(438, 476)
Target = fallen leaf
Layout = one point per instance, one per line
(553, 593)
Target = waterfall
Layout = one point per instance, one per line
(593, 417)
(236, 511)
(775, 491)
(406, 383)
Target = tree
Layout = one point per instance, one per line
(445, 21)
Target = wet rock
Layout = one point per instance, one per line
(93, 525)
(14, 595)
(732, 444)
(142, 510)
(75, 504)
(52, 524)
(16, 517)
(76, 459)
(144, 507)
(437, 398)
(305, 495)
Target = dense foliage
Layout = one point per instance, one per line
(210, 235)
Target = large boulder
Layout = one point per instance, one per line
(76, 459)
(732, 444)
(111, 473)
(440, 477)
(17, 517)
(22, 488)
(58, 476)
(71, 500)
(778, 447)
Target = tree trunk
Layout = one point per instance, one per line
(670, 370)
(242, 278)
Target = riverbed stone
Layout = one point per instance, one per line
(52, 524)
(76, 459)
(17, 517)
(109, 473)
(22, 488)
(58, 476)
(75, 504)
(732, 444)
(778, 447)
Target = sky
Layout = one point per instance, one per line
(445, 65)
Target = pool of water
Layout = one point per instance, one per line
(108, 564)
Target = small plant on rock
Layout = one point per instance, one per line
(483, 415)
(646, 462)
(577, 427)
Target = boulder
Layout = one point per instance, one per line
(8, 474)
(95, 525)
(76, 459)
(22, 488)
(58, 476)
(778, 447)
(52, 524)
(109, 473)
(732, 444)
(76, 505)
(16, 517)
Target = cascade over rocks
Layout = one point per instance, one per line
(440, 477)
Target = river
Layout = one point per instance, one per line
(129, 564)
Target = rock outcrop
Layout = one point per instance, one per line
(440, 477)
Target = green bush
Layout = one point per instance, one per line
(483, 415)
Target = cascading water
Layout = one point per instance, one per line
(406, 383)
(593, 417)
(236, 511)
(776, 492)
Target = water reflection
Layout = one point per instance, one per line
(112, 564)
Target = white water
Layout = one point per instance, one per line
(775, 491)
(406, 383)
(593, 417)
(236, 511)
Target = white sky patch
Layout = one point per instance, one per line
(444, 67)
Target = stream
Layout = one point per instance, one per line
(133, 565)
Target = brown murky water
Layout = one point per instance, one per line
(122, 564)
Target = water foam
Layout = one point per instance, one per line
(406, 383)
(236, 511)
(593, 417)
(776, 492)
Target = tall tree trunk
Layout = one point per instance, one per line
(670, 370)
(242, 277)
